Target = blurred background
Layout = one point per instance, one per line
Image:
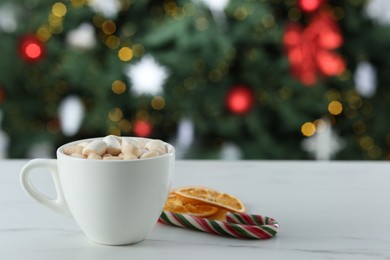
(219, 79)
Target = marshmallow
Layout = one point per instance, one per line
(140, 143)
(129, 148)
(73, 150)
(129, 156)
(113, 145)
(83, 144)
(94, 156)
(159, 151)
(77, 155)
(97, 146)
(156, 145)
(141, 152)
(149, 154)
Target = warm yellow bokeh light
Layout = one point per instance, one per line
(112, 42)
(375, 152)
(241, 13)
(308, 129)
(158, 102)
(118, 87)
(138, 50)
(113, 130)
(55, 24)
(366, 142)
(54, 20)
(109, 27)
(115, 115)
(98, 20)
(43, 33)
(59, 9)
(125, 54)
(335, 108)
(77, 3)
(125, 126)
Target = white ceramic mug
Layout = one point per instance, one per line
(115, 202)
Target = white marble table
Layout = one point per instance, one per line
(326, 210)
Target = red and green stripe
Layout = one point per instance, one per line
(239, 225)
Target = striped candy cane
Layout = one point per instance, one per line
(239, 225)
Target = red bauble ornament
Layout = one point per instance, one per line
(310, 50)
(330, 63)
(310, 5)
(325, 31)
(142, 128)
(240, 99)
(31, 48)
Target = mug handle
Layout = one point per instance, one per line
(58, 204)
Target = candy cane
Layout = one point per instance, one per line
(239, 225)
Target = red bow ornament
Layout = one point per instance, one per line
(310, 50)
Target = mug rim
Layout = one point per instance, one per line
(171, 150)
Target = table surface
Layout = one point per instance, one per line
(326, 210)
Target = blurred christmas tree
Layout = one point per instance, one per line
(292, 79)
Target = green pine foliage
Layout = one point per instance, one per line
(206, 54)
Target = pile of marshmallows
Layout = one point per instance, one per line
(115, 148)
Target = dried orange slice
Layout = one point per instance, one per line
(212, 197)
(191, 207)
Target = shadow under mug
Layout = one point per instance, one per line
(115, 202)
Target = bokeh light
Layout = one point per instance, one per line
(118, 87)
(78, 3)
(335, 107)
(125, 54)
(43, 33)
(59, 9)
(308, 129)
(240, 99)
(31, 48)
(115, 115)
(309, 5)
(158, 102)
(108, 27)
(142, 128)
